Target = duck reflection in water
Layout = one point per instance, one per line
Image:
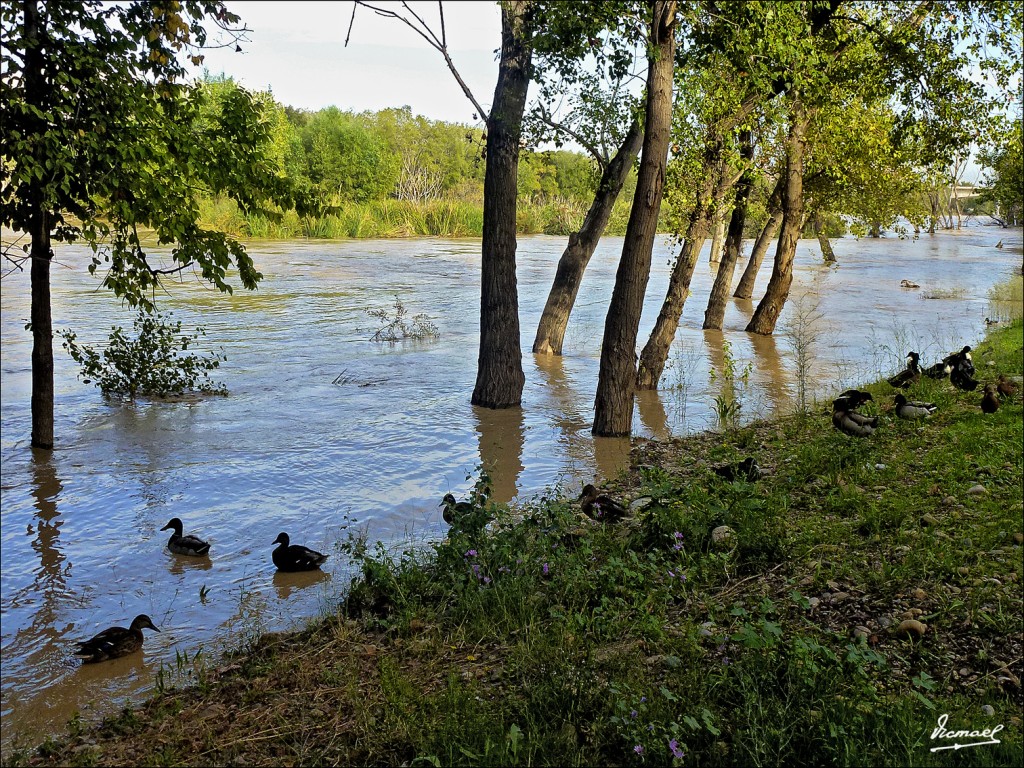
(286, 583)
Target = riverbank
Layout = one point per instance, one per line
(558, 640)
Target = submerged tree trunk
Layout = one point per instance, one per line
(613, 405)
(576, 256)
(819, 231)
(40, 254)
(718, 240)
(745, 287)
(715, 312)
(768, 310)
(500, 377)
(709, 197)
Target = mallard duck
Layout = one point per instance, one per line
(1006, 387)
(744, 470)
(907, 284)
(453, 510)
(962, 379)
(184, 545)
(851, 399)
(938, 371)
(909, 375)
(853, 423)
(295, 557)
(601, 507)
(989, 401)
(913, 409)
(115, 642)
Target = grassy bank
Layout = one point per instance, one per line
(402, 218)
(555, 640)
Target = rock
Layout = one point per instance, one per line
(949, 501)
(963, 570)
(911, 627)
(839, 597)
(722, 535)
(919, 594)
(861, 632)
(977, 490)
(1018, 538)
(965, 672)
(929, 519)
(879, 466)
(642, 503)
(814, 602)
(988, 710)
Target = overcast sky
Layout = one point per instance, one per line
(297, 51)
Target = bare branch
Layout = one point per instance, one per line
(421, 28)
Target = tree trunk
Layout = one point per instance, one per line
(745, 288)
(500, 377)
(709, 198)
(576, 256)
(613, 406)
(767, 313)
(819, 231)
(40, 253)
(715, 312)
(718, 239)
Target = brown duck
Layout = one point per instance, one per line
(115, 642)
(601, 507)
(990, 400)
(1007, 387)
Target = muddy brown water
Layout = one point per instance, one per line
(326, 432)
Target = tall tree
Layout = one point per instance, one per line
(97, 125)
(613, 406)
(500, 378)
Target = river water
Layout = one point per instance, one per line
(326, 432)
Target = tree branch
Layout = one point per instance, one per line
(421, 28)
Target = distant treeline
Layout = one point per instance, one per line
(393, 174)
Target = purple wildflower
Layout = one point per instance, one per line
(545, 569)
(679, 541)
(638, 749)
(676, 751)
(470, 553)
(633, 713)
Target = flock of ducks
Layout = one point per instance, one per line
(958, 367)
(115, 642)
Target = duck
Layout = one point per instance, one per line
(989, 401)
(1006, 387)
(745, 470)
(185, 545)
(913, 409)
(453, 510)
(847, 420)
(115, 642)
(961, 359)
(909, 375)
(962, 379)
(295, 557)
(851, 399)
(599, 506)
(853, 423)
(907, 284)
(938, 371)
(990, 322)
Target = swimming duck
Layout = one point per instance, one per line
(744, 470)
(115, 642)
(907, 284)
(184, 545)
(909, 375)
(453, 510)
(295, 557)
(913, 409)
(1006, 387)
(989, 401)
(599, 506)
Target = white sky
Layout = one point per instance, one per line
(297, 51)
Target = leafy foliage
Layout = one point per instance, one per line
(153, 363)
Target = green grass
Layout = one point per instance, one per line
(544, 638)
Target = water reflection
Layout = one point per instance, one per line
(500, 439)
(286, 583)
(652, 412)
(181, 564)
(771, 372)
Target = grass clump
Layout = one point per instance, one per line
(536, 636)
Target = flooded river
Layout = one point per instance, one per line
(323, 426)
